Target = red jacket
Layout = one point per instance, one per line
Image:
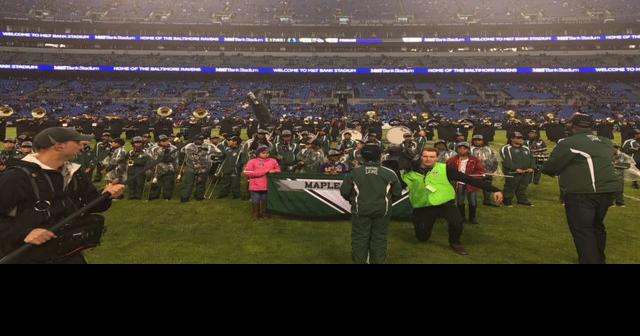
(257, 169)
(475, 168)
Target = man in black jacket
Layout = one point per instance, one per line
(42, 189)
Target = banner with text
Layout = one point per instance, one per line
(315, 195)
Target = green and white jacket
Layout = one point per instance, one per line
(584, 164)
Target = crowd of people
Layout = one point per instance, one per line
(67, 100)
(372, 11)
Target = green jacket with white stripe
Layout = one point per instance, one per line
(371, 189)
(516, 158)
(584, 163)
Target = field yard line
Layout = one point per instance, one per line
(633, 198)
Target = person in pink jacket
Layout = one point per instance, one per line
(256, 170)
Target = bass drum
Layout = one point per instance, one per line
(395, 135)
(355, 134)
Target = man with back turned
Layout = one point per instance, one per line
(371, 189)
(583, 162)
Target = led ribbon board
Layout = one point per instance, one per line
(102, 68)
(212, 39)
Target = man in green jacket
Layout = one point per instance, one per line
(371, 189)
(137, 160)
(86, 159)
(519, 164)
(432, 195)
(231, 168)
(584, 163)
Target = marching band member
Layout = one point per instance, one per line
(518, 163)
(164, 175)
(539, 151)
(489, 159)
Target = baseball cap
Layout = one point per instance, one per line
(478, 137)
(464, 143)
(371, 152)
(58, 135)
(582, 120)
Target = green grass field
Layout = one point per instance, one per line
(223, 231)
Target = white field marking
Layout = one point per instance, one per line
(633, 198)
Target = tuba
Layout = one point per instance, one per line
(200, 113)
(372, 115)
(164, 111)
(38, 113)
(6, 111)
(551, 117)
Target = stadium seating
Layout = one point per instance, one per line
(267, 11)
(297, 97)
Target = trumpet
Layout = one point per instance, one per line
(130, 163)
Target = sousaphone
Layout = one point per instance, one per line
(6, 111)
(200, 113)
(38, 113)
(164, 111)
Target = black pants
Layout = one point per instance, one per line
(424, 218)
(585, 215)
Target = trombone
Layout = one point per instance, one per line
(211, 188)
(181, 171)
